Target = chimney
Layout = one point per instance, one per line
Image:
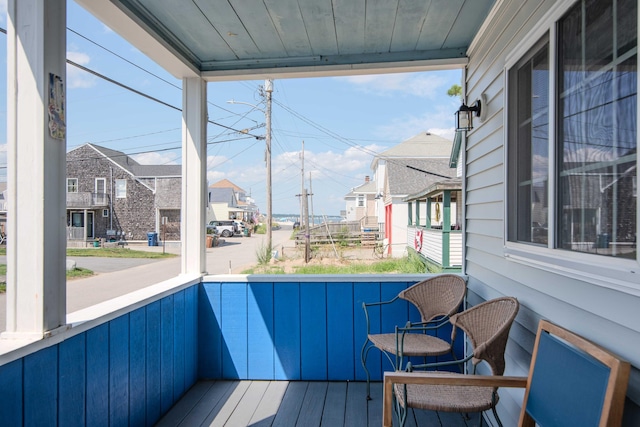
(366, 178)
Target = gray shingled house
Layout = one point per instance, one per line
(407, 168)
(111, 196)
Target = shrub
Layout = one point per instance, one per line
(263, 254)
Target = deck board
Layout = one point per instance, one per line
(311, 410)
(291, 404)
(334, 405)
(268, 407)
(283, 403)
(356, 405)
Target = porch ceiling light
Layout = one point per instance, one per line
(464, 115)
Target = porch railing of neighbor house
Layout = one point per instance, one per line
(87, 200)
(129, 360)
(75, 233)
(433, 244)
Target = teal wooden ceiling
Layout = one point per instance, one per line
(243, 35)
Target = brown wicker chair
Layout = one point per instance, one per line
(487, 327)
(436, 299)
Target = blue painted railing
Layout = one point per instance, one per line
(295, 330)
(127, 371)
(131, 368)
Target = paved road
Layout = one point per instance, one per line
(119, 276)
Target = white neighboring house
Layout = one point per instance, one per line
(222, 202)
(361, 204)
(405, 169)
(228, 201)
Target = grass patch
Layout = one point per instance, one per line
(271, 269)
(76, 273)
(411, 264)
(263, 254)
(110, 253)
(387, 266)
(116, 253)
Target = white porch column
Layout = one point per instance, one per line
(194, 180)
(36, 171)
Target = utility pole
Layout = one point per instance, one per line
(307, 235)
(313, 218)
(268, 88)
(302, 214)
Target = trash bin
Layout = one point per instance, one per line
(603, 241)
(209, 241)
(152, 238)
(245, 232)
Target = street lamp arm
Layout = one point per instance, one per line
(232, 101)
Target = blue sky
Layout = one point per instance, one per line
(343, 121)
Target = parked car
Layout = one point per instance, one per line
(240, 226)
(212, 229)
(226, 228)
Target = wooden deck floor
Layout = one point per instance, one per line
(297, 403)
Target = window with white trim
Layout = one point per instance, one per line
(101, 185)
(572, 134)
(121, 188)
(360, 200)
(72, 185)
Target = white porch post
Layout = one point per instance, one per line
(36, 77)
(194, 180)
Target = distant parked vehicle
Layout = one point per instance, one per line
(225, 228)
(239, 225)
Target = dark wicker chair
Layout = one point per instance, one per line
(487, 328)
(436, 299)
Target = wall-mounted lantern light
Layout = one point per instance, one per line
(464, 116)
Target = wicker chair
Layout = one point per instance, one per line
(572, 382)
(487, 327)
(436, 299)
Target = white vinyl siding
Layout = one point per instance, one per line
(604, 310)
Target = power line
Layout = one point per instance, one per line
(123, 58)
(356, 146)
(129, 88)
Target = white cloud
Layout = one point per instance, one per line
(3, 13)
(216, 162)
(166, 158)
(426, 85)
(349, 166)
(215, 176)
(77, 78)
(438, 119)
(219, 167)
